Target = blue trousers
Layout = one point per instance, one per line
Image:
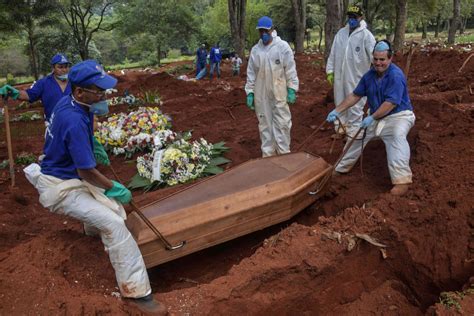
(200, 65)
(215, 66)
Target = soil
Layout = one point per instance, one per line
(314, 263)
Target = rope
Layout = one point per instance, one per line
(167, 244)
(328, 174)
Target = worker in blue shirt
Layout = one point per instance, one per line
(49, 89)
(201, 59)
(215, 58)
(391, 116)
(69, 183)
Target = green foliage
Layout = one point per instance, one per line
(163, 21)
(180, 69)
(10, 79)
(151, 97)
(27, 116)
(25, 158)
(4, 164)
(450, 299)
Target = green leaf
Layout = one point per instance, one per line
(138, 182)
(218, 161)
(213, 170)
(219, 146)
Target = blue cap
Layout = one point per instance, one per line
(381, 47)
(264, 23)
(59, 59)
(89, 72)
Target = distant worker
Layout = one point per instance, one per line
(272, 83)
(201, 59)
(49, 89)
(391, 117)
(215, 57)
(69, 183)
(236, 62)
(349, 60)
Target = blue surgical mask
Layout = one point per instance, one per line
(62, 77)
(99, 108)
(353, 23)
(266, 38)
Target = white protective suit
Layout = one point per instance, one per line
(270, 71)
(349, 60)
(393, 130)
(101, 215)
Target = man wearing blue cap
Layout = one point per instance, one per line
(272, 83)
(391, 117)
(49, 89)
(349, 60)
(69, 183)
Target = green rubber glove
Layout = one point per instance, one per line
(8, 90)
(119, 192)
(291, 98)
(330, 78)
(250, 98)
(100, 154)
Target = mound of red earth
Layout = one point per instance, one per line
(326, 260)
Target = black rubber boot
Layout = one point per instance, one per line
(148, 304)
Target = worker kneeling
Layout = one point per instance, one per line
(391, 116)
(69, 183)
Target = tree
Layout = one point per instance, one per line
(400, 24)
(334, 13)
(85, 17)
(27, 17)
(167, 22)
(455, 21)
(299, 13)
(237, 24)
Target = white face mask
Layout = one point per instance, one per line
(62, 77)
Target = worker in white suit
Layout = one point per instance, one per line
(272, 83)
(349, 60)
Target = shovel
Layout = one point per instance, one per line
(9, 140)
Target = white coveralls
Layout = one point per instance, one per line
(393, 130)
(270, 71)
(99, 214)
(349, 60)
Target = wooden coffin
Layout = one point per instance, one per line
(246, 198)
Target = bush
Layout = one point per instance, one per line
(10, 79)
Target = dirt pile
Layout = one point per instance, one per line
(313, 264)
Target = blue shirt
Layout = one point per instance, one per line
(391, 87)
(69, 144)
(48, 90)
(201, 55)
(215, 55)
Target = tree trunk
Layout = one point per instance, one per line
(438, 25)
(158, 52)
(321, 30)
(454, 21)
(32, 49)
(299, 12)
(237, 11)
(332, 24)
(462, 26)
(424, 30)
(400, 24)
